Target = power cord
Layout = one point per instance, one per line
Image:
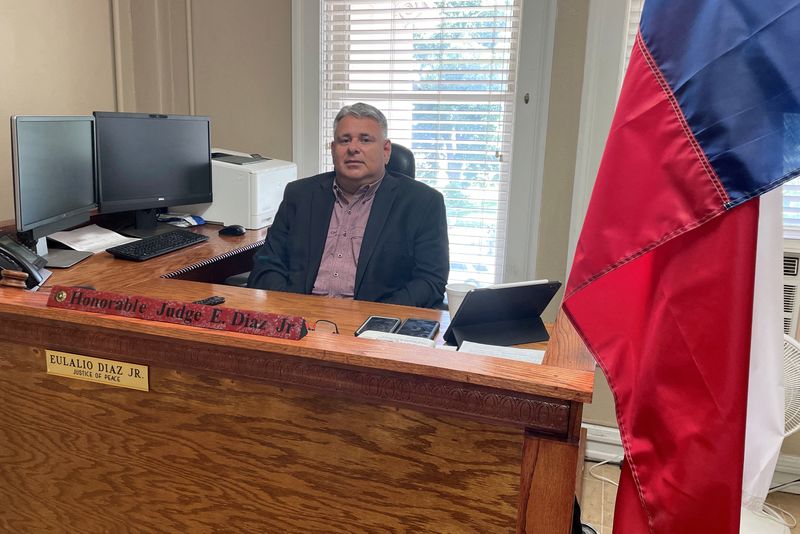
(775, 513)
(614, 461)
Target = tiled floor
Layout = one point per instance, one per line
(597, 501)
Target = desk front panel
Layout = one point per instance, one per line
(202, 452)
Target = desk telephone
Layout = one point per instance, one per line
(16, 257)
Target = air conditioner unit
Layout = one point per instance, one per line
(791, 285)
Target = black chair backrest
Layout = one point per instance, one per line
(401, 161)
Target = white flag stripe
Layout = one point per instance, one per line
(765, 420)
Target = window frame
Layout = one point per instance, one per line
(602, 78)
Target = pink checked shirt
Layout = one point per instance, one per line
(337, 270)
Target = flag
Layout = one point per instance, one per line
(663, 287)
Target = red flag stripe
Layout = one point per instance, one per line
(651, 186)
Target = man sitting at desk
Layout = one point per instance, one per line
(358, 232)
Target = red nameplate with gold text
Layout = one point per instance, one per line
(172, 311)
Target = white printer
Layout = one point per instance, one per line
(247, 190)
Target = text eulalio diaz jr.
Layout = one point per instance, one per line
(170, 311)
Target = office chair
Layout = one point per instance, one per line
(400, 162)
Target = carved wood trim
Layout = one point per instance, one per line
(549, 416)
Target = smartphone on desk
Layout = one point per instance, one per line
(381, 324)
(426, 328)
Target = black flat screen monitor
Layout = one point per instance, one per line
(53, 161)
(149, 161)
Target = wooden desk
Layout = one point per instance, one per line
(242, 433)
(211, 261)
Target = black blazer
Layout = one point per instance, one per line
(404, 256)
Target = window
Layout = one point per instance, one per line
(444, 73)
(791, 189)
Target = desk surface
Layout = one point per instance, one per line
(567, 372)
(105, 272)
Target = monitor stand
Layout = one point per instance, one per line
(60, 258)
(134, 223)
(146, 225)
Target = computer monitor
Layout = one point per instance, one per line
(53, 161)
(149, 161)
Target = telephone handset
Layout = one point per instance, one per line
(14, 258)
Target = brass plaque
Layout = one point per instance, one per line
(109, 372)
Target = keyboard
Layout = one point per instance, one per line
(397, 338)
(156, 245)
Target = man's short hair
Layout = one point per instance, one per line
(362, 111)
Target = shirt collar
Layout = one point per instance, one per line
(364, 193)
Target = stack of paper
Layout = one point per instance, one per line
(511, 353)
(90, 238)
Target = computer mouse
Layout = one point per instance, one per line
(233, 229)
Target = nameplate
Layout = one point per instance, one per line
(110, 372)
(176, 312)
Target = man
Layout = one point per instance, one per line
(358, 232)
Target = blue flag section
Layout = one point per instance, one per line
(734, 68)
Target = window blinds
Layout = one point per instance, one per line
(444, 73)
